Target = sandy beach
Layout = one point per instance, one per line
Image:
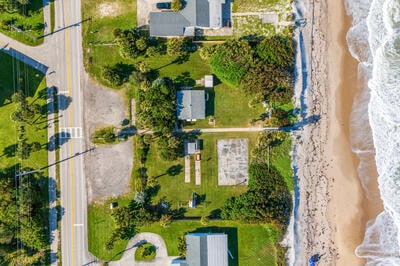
(333, 208)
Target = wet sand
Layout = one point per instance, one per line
(333, 209)
(349, 209)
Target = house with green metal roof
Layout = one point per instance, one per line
(202, 14)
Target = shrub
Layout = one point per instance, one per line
(206, 52)
(268, 199)
(113, 75)
(231, 60)
(176, 5)
(165, 220)
(104, 136)
(175, 46)
(145, 252)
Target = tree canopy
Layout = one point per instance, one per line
(231, 60)
(268, 199)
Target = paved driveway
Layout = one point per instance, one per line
(128, 259)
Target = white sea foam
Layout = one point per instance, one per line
(374, 40)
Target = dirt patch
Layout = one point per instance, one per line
(108, 167)
(108, 9)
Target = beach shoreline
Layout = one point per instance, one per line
(350, 208)
(333, 208)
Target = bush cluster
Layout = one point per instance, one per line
(267, 200)
(263, 69)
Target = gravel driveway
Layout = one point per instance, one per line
(108, 168)
(144, 7)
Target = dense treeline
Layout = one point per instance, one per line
(263, 69)
(231, 60)
(156, 105)
(23, 216)
(267, 200)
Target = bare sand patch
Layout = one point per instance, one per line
(108, 9)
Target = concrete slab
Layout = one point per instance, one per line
(232, 162)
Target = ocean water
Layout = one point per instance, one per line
(374, 40)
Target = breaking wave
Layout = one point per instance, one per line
(374, 40)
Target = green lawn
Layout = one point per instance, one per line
(32, 23)
(281, 159)
(179, 193)
(52, 16)
(249, 244)
(34, 85)
(100, 226)
(99, 31)
(229, 107)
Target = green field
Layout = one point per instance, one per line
(100, 226)
(34, 85)
(229, 107)
(250, 244)
(179, 193)
(28, 19)
(16, 75)
(98, 31)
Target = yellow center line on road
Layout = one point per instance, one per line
(71, 164)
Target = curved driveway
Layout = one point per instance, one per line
(128, 259)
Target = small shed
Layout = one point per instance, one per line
(208, 81)
(191, 147)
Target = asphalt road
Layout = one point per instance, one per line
(68, 67)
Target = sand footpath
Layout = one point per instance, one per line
(332, 209)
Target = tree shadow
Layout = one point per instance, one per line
(210, 107)
(199, 198)
(215, 214)
(57, 140)
(125, 69)
(232, 233)
(184, 79)
(9, 151)
(175, 170)
(184, 57)
(63, 101)
(302, 123)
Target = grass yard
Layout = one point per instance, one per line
(100, 226)
(281, 160)
(35, 87)
(251, 24)
(229, 107)
(179, 193)
(31, 23)
(98, 32)
(257, 5)
(249, 244)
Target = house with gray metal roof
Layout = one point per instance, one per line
(195, 14)
(191, 105)
(205, 249)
